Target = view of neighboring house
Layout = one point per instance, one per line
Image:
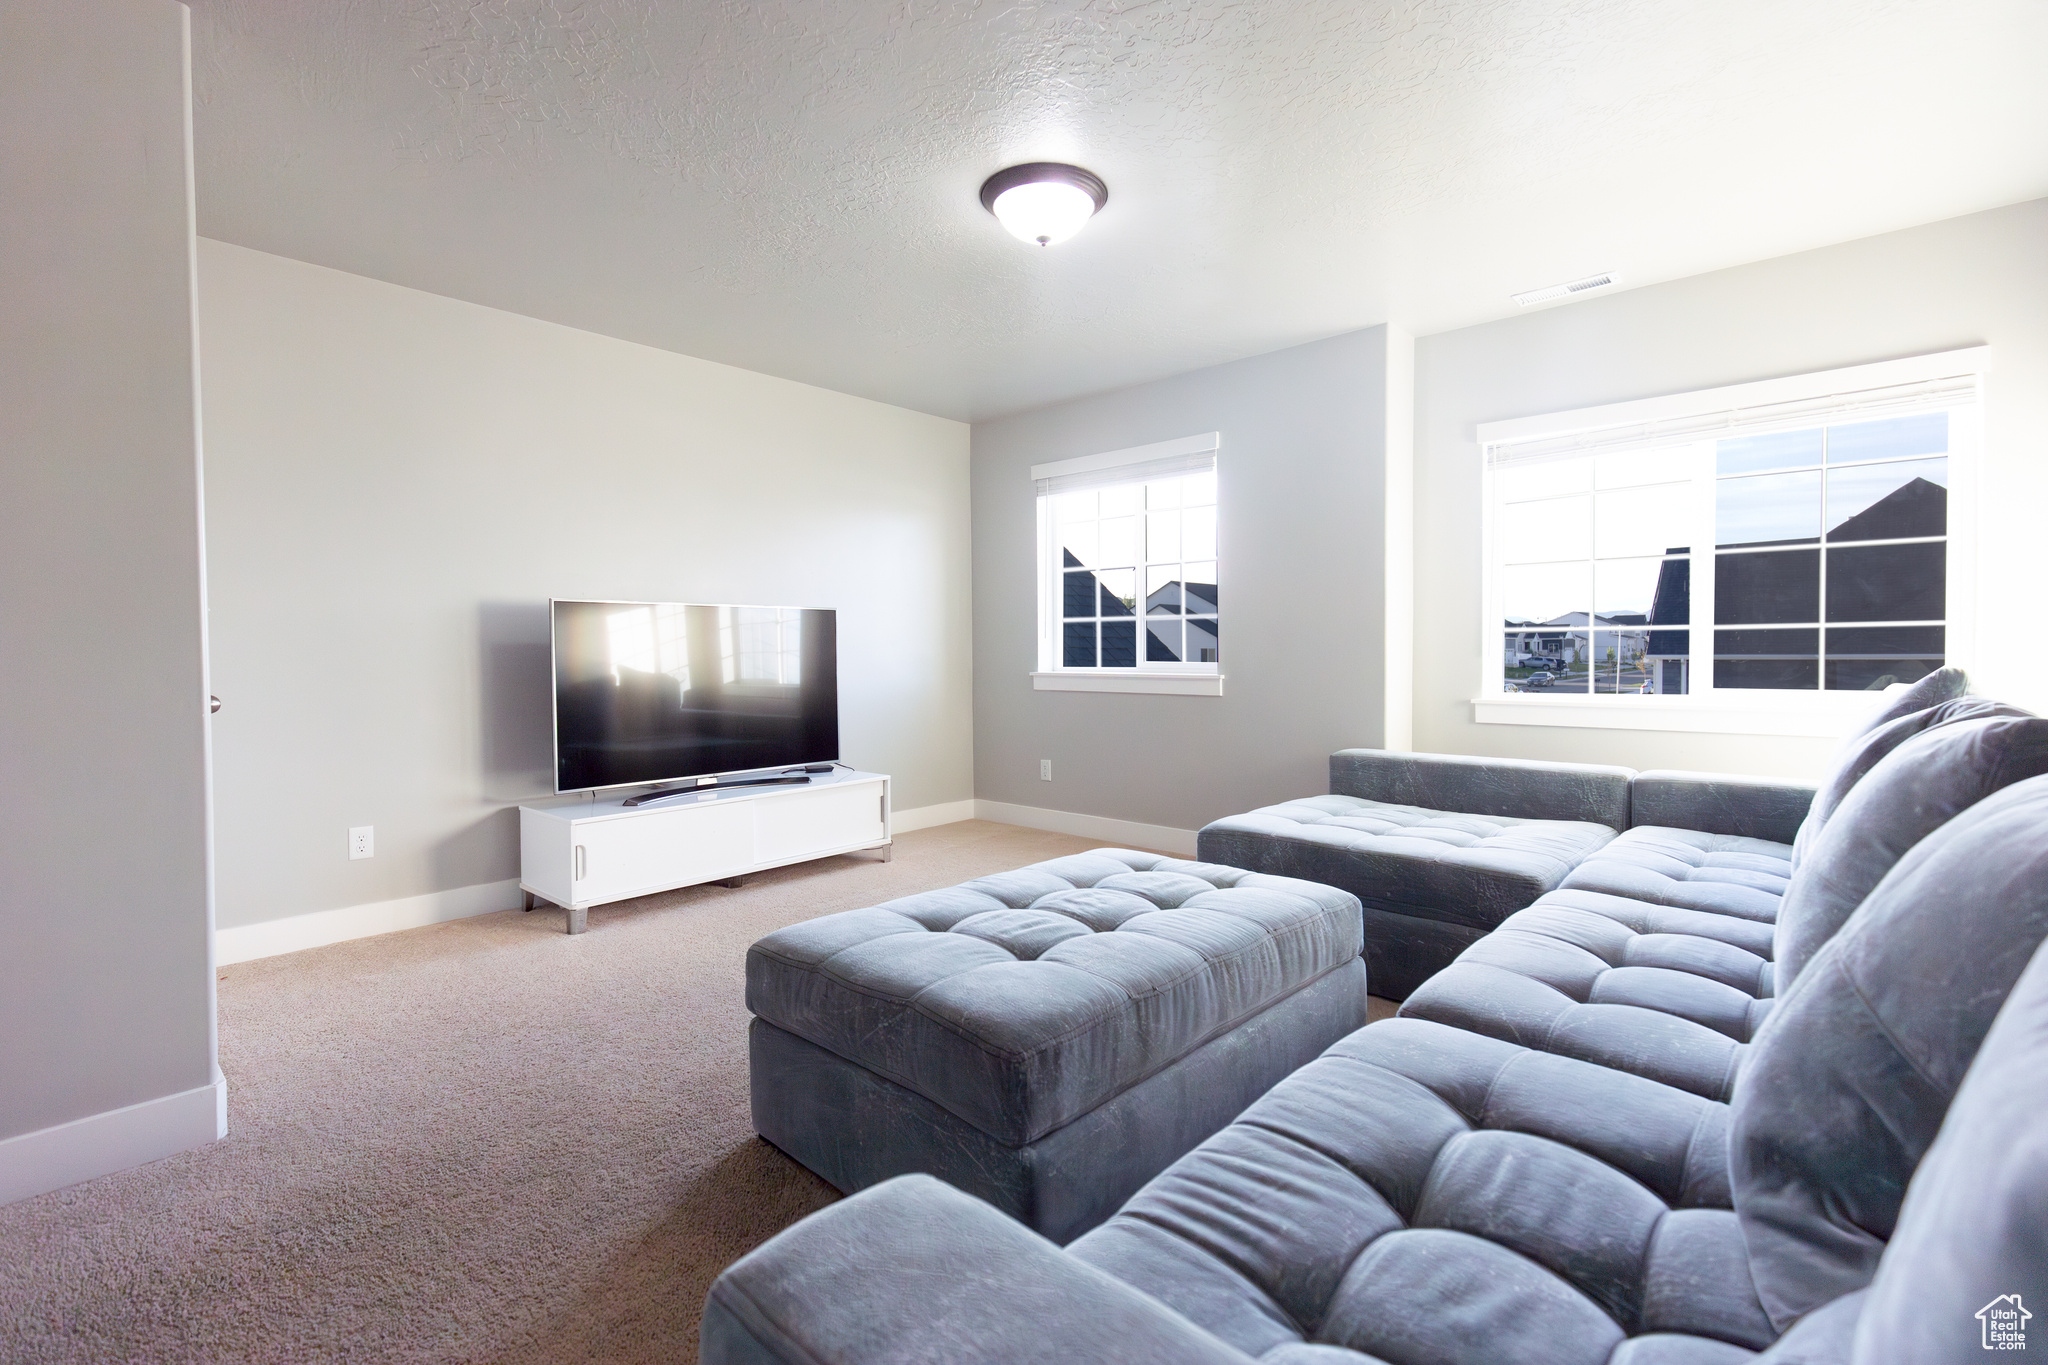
(1180, 618)
(1197, 602)
(1576, 643)
(1658, 658)
(1667, 654)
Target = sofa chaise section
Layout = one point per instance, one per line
(1438, 848)
(1676, 992)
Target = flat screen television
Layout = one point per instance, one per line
(649, 692)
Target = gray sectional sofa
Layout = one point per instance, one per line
(1565, 1153)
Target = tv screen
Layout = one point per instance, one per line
(652, 691)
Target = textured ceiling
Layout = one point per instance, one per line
(790, 186)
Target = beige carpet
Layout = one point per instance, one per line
(483, 1141)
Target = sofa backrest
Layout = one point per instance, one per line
(1926, 780)
(1511, 787)
(1872, 740)
(1848, 1080)
(1861, 753)
(1970, 1256)
(1943, 684)
(1719, 803)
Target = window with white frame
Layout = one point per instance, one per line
(1128, 565)
(1778, 542)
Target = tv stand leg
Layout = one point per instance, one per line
(579, 919)
(889, 851)
(529, 904)
(733, 882)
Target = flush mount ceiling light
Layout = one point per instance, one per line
(1044, 201)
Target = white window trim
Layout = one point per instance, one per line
(1128, 680)
(1683, 417)
(1177, 680)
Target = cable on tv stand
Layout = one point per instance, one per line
(678, 793)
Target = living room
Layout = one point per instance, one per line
(413, 438)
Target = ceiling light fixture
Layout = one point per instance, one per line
(1044, 201)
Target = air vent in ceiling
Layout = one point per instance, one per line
(1567, 291)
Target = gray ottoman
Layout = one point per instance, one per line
(1051, 1038)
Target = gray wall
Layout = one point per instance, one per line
(1300, 522)
(106, 988)
(1983, 278)
(397, 483)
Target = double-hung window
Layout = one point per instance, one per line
(1742, 559)
(1127, 571)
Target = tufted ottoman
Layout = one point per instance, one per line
(1439, 848)
(1050, 1038)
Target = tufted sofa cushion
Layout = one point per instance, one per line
(1724, 874)
(1470, 869)
(1850, 1078)
(1656, 990)
(1020, 1001)
(1674, 994)
(1420, 1193)
(1430, 881)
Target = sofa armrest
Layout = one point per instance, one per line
(1720, 803)
(1513, 787)
(914, 1270)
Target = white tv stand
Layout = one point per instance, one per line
(578, 852)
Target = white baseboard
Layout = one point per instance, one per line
(251, 941)
(924, 817)
(100, 1144)
(1123, 833)
(248, 942)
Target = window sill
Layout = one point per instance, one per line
(1163, 684)
(1823, 719)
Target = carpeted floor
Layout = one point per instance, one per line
(483, 1141)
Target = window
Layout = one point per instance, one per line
(1781, 545)
(1128, 571)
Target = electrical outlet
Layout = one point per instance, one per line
(362, 842)
(1045, 770)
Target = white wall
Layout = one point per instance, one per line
(106, 985)
(1302, 518)
(1979, 279)
(397, 482)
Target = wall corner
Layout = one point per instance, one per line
(1398, 538)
